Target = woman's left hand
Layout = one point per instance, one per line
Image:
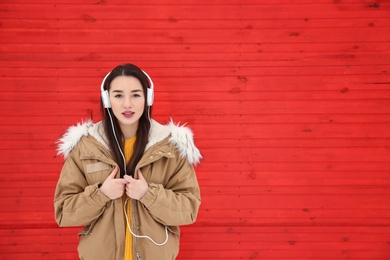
(136, 189)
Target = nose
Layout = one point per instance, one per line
(127, 102)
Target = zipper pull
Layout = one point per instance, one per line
(139, 257)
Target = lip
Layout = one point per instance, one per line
(128, 114)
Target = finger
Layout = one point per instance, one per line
(128, 178)
(121, 181)
(113, 173)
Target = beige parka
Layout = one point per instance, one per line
(173, 198)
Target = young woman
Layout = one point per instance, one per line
(128, 179)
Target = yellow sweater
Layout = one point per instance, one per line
(129, 237)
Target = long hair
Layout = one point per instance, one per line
(142, 135)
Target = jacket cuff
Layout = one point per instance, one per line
(94, 193)
(151, 196)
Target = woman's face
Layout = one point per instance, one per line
(127, 102)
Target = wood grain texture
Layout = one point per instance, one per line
(288, 101)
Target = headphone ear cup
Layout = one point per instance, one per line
(106, 99)
(150, 97)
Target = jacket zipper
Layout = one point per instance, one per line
(134, 224)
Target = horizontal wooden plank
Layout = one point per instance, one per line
(370, 253)
(292, 235)
(242, 228)
(289, 219)
(188, 253)
(205, 84)
(304, 215)
(351, 249)
(255, 178)
(233, 84)
(222, 63)
(192, 2)
(266, 232)
(256, 132)
(194, 234)
(211, 216)
(200, 60)
(48, 142)
(193, 36)
(89, 21)
(260, 187)
(67, 241)
(214, 12)
(163, 49)
(214, 173)
(294, 201)
(378, 253)
(67, 254)
(289, 69)
(43, 144)
(355, 202)
(364, 154)
(246, 181)
(317, 107)
(65, 121)
(258, 246)
(233, 95)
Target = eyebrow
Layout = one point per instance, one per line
(133, 91)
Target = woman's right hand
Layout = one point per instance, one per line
(113, 188)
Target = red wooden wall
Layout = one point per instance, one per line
(288, 99)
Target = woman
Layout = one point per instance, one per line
(128, 179)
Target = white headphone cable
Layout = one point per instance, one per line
(117, 142)
(125, 204)
(137, 236)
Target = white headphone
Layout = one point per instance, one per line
(149, 94)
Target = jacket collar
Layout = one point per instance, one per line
(180, 136)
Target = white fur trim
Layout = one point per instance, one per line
(180, 136)
(183, 138)
(158, 133)
(97, 131)
(72, 136)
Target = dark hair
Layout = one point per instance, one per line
(142, 135)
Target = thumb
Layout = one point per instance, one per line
(140, 176)
(113, 173)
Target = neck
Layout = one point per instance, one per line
(129, 130)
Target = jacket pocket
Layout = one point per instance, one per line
(97, 171)
(87, 230)
(96, 167)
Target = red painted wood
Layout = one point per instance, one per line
(288, 100)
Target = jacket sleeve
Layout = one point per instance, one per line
(178, 202)
(75, 202)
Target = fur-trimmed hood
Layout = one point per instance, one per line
(180, 136)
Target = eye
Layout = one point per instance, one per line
(117, 95)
